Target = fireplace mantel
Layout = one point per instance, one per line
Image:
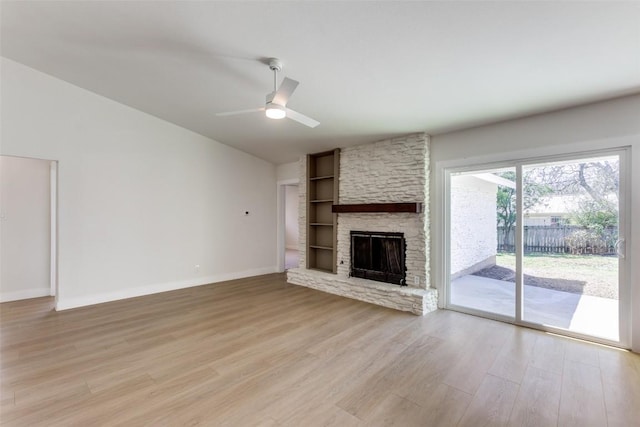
(378, 208)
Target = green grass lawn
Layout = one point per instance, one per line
(588, 274)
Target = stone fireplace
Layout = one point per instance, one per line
(386, 172)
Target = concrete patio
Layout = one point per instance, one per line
(578, 313)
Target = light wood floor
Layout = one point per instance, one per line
(261, 352)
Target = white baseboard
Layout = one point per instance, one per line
(25, 294)
(75, 302)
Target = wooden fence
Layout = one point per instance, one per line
(561, 239)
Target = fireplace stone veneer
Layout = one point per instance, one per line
(403, 298)
(389, 171)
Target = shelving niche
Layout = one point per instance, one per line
(322, 193)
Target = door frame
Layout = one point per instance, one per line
(443, 270)
(281, 228)
(53, 181)
(53, 226)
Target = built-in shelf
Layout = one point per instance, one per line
(378, 208)
(324, 248)
(322, 193)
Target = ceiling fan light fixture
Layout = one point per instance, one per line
(276, 101)
(275, 111)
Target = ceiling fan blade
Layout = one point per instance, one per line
(301, 118)
(233, 113)
(284, 91)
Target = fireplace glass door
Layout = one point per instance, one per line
(378, 256)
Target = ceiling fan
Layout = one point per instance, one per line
(276, 105)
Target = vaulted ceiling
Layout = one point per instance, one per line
(367, 70)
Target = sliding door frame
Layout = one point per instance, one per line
(624, 285)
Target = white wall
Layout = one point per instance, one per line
(291, 216)
(141, 201)
(609, 124)
(473, 224)
(25, 229)
(288, 171)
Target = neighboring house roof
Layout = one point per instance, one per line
(555, 205)
(561, 204)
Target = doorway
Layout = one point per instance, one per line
(542, 243)
(291, 234)
(288, 255)
(28, 228)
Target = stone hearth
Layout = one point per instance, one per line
(389, 171)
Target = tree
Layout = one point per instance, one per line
(506, 199)
(595, 215)
(595, 183)
(506, 208)
(600, 221)
(596, 180)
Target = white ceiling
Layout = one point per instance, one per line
(367, 70)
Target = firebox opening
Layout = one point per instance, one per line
(378, 256)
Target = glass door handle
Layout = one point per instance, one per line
(620, 248)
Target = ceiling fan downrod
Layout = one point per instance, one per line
(275, 65)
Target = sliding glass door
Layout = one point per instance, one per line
(481, 225)
(571, 242)
(541, 243)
